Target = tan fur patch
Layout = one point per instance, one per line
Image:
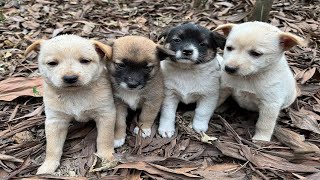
(135, 48)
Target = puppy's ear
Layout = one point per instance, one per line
(226, 28)
(288, 40)
(162, 53)
(34, 46)
(218, 40)
(164, 34)
(103, 49)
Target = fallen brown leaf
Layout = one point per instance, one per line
(12, 88)
(295, 141)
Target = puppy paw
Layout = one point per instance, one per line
(260, 137)
(200, 126)
(145, 132)
(166, 132)
(48, 167)
(118, 142)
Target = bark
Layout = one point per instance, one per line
(261, 10)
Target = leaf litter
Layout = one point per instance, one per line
(224, 152)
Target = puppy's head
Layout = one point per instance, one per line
(69, 61)
(135, 61)
(253, 47)
(192, 43)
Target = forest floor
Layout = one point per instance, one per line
(293, 152)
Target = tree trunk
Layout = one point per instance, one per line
(261, 10)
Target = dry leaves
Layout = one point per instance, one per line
(294, 153)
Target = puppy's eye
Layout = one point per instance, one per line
(52, 63)
(85, 61)
(254, 53)
(203, 44)
(177, 40)
(148, 68)
(229, 48)
(119, 65)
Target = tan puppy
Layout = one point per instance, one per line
(137, 82)
(256, 72)
(75, 88)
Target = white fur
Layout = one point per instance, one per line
(189, 84)
(119, 142)
(265, 84)
(178, 54)
(195, 53)
(145, 132)
(132, 98)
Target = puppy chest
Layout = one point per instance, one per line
(131, 99)
(246, 100)
(79, 111)
(189, 90)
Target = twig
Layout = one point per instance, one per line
(258, 172)
(229, 127)
(238, 169)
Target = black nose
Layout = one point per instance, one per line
(187, 52)
(230, 69)
(132, 83)
(70, 79)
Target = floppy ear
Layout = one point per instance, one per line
(288, 40)
(103, 49)
(162, 53)
(226, 28)
(218, 40)
(35, 45)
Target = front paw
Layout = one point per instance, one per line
(145, 132)
(261, 137)
(48, 167)
(166, 132)
(199, 126)
(119, 142)
(262, 134)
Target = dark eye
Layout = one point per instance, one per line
(229, 48)
(148, 68)
(203, 44)
(85, 61)
(176, 40)
(254, 53)
(119, 65)
(52, 63)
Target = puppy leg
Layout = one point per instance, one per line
(56, 133)
(149, 112)
(105, 126)
(268, 114)
(205, 108)
(168, 116)
(120, 128)
(224, 93)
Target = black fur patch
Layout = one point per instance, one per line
(182, 36)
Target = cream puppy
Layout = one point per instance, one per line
(191, 76)
(75, 88)
(256, 72)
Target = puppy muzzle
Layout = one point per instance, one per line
(231, 69)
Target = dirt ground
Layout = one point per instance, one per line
(293, 152)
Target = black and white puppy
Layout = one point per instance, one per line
(193, 75)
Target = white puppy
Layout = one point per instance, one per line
(256, 72)
(192, 76)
